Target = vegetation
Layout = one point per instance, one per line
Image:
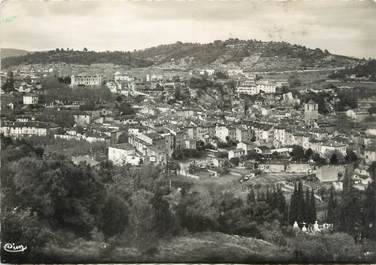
(367, 69)
(76, 57)
(8, 85)
(78, 213)
(235, 50)
(302, 205)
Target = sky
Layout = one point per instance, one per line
(346, 27)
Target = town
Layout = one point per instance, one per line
(136, 163)
(258, 125)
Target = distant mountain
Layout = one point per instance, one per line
(233, 53)
(6, 52)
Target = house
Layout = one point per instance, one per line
(153, 145)
(370, 154)
(82, 119)
(266, 86)
(246, 146)
(247, 87)
(85, 118)
(329, 147)
(264, 133)
(311, 111)
(236, 153)
(86, 79)
(225, 133)
(205, 132)
(279, 136)
(243, 134)
(121, 154)
(118, 77)
(208, 72)
(30, 99)
(31, 128)
(92, 137)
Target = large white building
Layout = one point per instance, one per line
(121, 154)
(22, 129)
(30, 99)
(247, 87)
(252, 87)
(118, 77)
(85, 79)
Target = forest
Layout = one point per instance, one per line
(78, 213)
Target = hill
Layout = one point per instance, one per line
(76, 57)
(249, 54)
(232, 53)
(365, 69)
(6, 52)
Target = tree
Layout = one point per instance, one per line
(349, 217)
(297, 153)
(308, 154)
(334, 159)
(307, 208)
(141, 215)
(351, 156)
(126, 108)
(312, 214)
(69, 196)
(8, 85)
(331, 209)
(164, 221)
(197, 211)
(251, 198)
(114, 216)
(235, 161)
(370, 205)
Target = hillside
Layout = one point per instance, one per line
(365, 69)
(248, 54)
(5, 52)
(199, 247)
(76, 57)
(233, 53)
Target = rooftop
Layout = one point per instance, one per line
(124, 146)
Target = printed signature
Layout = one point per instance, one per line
(11, 247)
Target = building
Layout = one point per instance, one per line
(370, 155)
(266, 87)
(236, 153)
(31, 128)
(118, 77)
(247, 87)
(311, 111)
(85, 118)
(244, 134)
(85, 79)
(208, 72)
(121, 154)
(30, 99)
(225, 133)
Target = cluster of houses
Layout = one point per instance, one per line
(158, 129)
